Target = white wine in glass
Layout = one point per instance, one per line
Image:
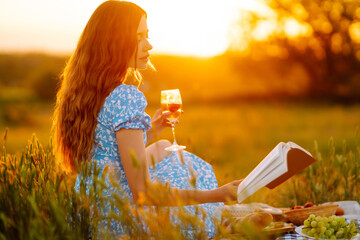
(171, 102)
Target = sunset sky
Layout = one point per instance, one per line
(186, 27)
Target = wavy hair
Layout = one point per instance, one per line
(98, 65)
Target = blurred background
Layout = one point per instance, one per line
(251, 73)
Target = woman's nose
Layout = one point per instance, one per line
(148, 46)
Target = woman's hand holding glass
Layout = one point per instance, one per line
(171, 105)
(159, 121)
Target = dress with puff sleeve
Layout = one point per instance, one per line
(125, 108)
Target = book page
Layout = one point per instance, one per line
(264, 174)
(273, 165)
(271, 158)
(266, 177)
(255, 186)
(297, 160)
(294, 145)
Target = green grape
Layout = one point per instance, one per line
(332, 227)
(352, 226)
(306, 223)
(313, 224)
(339, 234)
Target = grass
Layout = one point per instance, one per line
(232, 137)
(235, 138)
(39, 202)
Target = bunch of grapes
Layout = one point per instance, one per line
(333, 227)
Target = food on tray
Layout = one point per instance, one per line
(307, 205)
(339, 211)
(275, 225)
(332, 227)
(278, 228)
(297, 207)
(258, 219)
(298, 216)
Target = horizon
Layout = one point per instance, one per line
(201, 30)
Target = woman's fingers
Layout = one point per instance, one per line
(163, 115)
(160, 118)
(237, 182)
(166, 114)
(233, 188)
(168, 123)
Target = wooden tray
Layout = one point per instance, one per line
(298, 216)
(270, 233)
(288, 227)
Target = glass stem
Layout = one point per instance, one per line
(173, 132)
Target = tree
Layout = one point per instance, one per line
(323, 36)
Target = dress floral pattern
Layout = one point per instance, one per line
(125, 108)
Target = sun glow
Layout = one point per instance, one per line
(194, 28)
(189, 27)
(294, 29)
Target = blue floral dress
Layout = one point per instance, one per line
(125, 108)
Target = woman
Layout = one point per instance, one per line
(99, 118)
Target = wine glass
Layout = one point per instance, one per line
(171, 102)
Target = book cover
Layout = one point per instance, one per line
(283, 162)
(297, 160)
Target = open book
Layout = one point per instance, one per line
(284, 161)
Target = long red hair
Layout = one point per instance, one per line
(99, 64)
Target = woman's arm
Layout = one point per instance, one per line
(133, 158)
(223, 194)
(132, 152)
(158, 123)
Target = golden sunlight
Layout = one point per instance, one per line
(195, 28)
(188, 27)
(354, 31)
(294, 29)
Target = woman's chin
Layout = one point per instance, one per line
(141, 66)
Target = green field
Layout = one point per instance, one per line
(232, 137)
